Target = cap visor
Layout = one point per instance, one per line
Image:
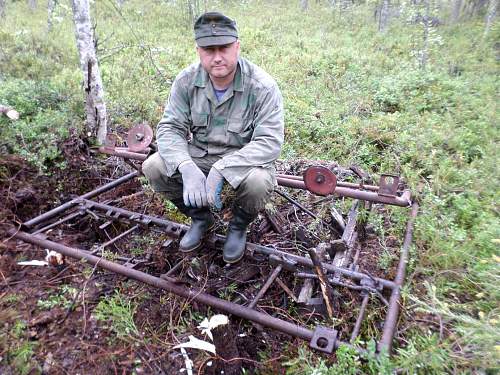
(209, 41)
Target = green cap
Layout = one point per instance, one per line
(214, 29)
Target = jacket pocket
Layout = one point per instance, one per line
(239, 131)
(199, 127)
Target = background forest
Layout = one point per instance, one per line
(409, 87)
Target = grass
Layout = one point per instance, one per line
(352, 95)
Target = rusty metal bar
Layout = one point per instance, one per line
(60, 209)
(339, 183)
(266, 286)
(402, 201)
(190, 293)
(391, 319)
(294, 202)
(124, 154)
(58, 222)
(361, 316)
(121, 235)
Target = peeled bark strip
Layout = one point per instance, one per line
(95, 106)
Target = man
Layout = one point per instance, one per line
(222, 123)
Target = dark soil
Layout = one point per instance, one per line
(67, 337)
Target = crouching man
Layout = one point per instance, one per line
(222, 123)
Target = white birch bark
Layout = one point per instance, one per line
(2, 8)
(384, 16)
(304, 4)
(32, 4)
(94, 93)
(490, 16)
(425, 50)
(455, 11)
(51, 4)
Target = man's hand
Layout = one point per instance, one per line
(193, 180)
(214, 184)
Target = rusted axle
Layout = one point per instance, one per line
(402, 201)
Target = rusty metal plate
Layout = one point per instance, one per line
(388, 185)
(320, 180)
(139, 137)
(110, 142)
(324, 339)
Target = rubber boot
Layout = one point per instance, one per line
(201, 222)
(234, 247)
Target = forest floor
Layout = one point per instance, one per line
(73, 318)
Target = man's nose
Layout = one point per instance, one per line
(217, 55)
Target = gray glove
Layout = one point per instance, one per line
(214, 184)
(193, 181)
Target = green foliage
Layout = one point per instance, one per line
(64, 299)
(117, 313)
(42, 125)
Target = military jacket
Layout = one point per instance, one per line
(245, 129)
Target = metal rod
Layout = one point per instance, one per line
(339, 183)
(391, 319)
(361, 316)
(176, 230)
(124, 154)
(121, 235)
(294, 202)
(190, 293)
(266, 286)
(60, 209)
(402, 201)
(174, 268)
(58, 222)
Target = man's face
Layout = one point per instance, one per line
(219, 61)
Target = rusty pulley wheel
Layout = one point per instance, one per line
(320, 180)
(139, 137)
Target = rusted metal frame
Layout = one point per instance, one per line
(64, 207)
(339, 183)
(176, 230)
(361, 316)
(391, 319)
(266, 286)
(402, 201)
(321, 338)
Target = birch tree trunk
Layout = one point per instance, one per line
(490, 16)
(384, 16)
(94, 93)
(455, 12)
(51, 4)
(425, 50)
(32, 4)
(2, 8)
(304, 4)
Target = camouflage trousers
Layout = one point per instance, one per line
(251, 195)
